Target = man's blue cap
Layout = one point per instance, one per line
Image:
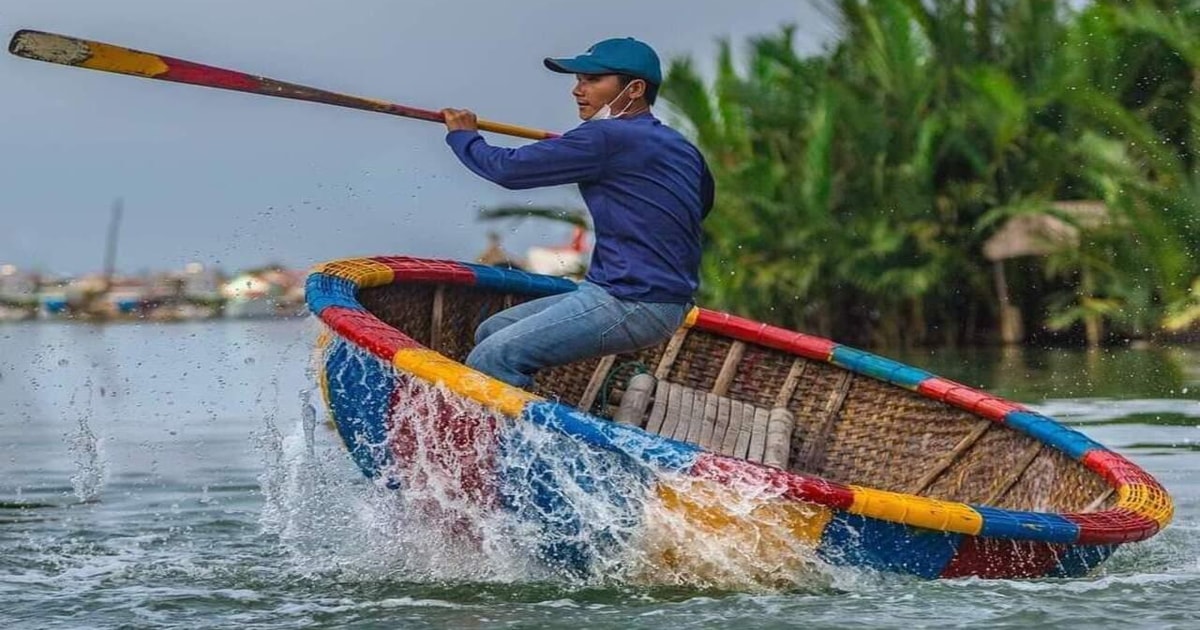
(622, 55)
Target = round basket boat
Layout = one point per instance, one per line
(747, 430)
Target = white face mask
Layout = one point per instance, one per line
(605, 113)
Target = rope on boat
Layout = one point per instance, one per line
(606, 386)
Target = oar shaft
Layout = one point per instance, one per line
(82, 53)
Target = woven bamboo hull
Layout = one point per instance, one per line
(889, 467)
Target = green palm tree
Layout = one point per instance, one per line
(856, 187)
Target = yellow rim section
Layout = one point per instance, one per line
(918, 511)
(691, 318)
(1148, 501)
(463, 381)
(363, 272)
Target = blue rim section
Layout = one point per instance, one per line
(879, 367)
(1043, 526)
(322, 290)
(1071, 442)
(514, 281)
(666, 454)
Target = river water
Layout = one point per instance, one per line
(160, 476)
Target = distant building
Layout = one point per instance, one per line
(188, 294)
(18, 294)
(15, 285)
(270, 292)
(200, 282)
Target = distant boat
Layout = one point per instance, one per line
(53, 304)
(564, 260)
(91, 298)
(739, 441)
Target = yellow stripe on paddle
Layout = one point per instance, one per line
(122, 60)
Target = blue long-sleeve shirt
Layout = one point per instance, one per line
(647, 189)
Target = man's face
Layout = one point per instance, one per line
(593, 91)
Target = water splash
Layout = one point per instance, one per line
(469, 495)
(87, 452)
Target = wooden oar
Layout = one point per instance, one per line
(71, 51)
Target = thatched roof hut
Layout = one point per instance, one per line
(1045, 233)
(1040, 234)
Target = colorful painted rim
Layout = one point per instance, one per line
(1143, 507)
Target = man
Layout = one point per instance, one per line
(647, 189)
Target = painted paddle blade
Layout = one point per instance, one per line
(82, 53)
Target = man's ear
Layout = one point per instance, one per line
(637, 89)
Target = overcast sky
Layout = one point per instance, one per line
(238, 180)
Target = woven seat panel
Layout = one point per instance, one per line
(818, 385)
(760, 375)
(979, 472)
(1055, 482)
(463, 310)
(406, 307)
(699, 361)
(887, 439)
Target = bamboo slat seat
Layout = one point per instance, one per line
(715, 423)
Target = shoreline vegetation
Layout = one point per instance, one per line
(958, 173)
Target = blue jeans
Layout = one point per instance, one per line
(554, 330)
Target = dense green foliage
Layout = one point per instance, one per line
(856, 187)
